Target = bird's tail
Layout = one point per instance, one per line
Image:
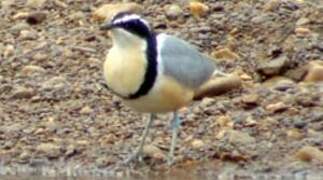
(218, 84)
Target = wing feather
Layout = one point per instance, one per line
(184, 62)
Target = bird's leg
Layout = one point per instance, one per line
(175, 124)
(138, 153)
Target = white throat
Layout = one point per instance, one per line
(123, 39)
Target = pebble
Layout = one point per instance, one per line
(225, 53)
(60, 4)
(15, 29)
(32, 69)
(77, 16)
(276, 107)
(22, 92)
(36, 17)
(302, 32)
(279, 83)
(173, 11)
(20, 15)
(225, 121)
(35, 3)
(153, 152)
(51, 150)
(296, 74)
(5, 4)
(245, 77)
(294, 134)
(238, 137)
(315, 72)
(250, 99)
(271, 5)
(9, 51)
(302, 21)
(273, 67)
(40, 57)
(198, 9)
(309, 153)
(107, 11)
(24, 157)
(104, 161)
(57, 82)
(206, 102)
(86, 110)
(197, 144)
(28, 35)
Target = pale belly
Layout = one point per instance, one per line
(166, 96)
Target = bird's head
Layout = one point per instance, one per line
(128, 27)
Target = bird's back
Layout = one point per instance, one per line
(183, 62)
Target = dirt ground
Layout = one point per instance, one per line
(57, 119)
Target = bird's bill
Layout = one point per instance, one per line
(107, 26)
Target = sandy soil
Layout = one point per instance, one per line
(57, 119)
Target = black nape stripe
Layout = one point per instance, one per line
(151, 69)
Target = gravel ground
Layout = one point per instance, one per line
(57, 119)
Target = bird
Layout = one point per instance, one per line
(153, 72)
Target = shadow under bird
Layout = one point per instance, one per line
(153, 73)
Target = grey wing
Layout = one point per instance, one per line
(184, 62)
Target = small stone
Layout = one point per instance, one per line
(36, 18)
(104, 161)
(302, 32)
(57, 82)
(153, 152)
(250, 122)
(302, 21)
(276, 107)
(273, 67)
(86, 110)
(16, 28)
(70, 150)
(5, 4)
(32, 69)
(250, 99)
(271, 5)
(238, 137)
(173, 11)
(28, 35)
(296, 74)
(60, 4)
(40, 57)
(309, 153)
(24, 157)
(198, 9)
(206, 102)
(107, 11)
(225, 53)
(225, 121)
(197, 144)
(51, 150)
(294, 134)
(9, 51)
(22, 92)
(35, 3)
(279, 83)
(77, 16)
(20, 15)
(315, 72)
(245, 77)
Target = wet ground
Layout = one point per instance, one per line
(57, 119)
